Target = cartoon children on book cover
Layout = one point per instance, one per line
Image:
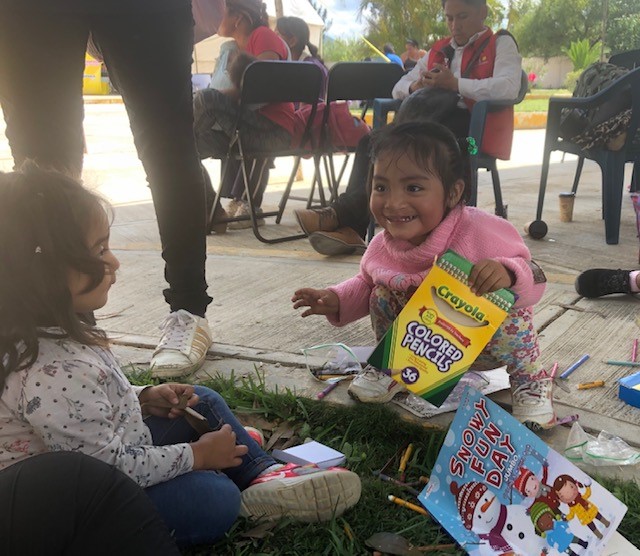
(498, 489)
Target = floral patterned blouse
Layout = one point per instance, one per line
(76, 398)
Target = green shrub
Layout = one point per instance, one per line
(582, 54)
(571, 79)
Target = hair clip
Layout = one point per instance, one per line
(472, 146)
(38, 250)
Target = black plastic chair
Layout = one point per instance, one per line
(479, 113)
(611, 163)
(363, 81)
(265, 82)
(629, 59)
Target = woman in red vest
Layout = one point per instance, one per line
(493, 67)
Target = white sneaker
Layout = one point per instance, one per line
(183, 346)
(243, 210)
(304, 493)
(532, 400)
(373, 386)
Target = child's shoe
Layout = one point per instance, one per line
(601, 281)
(372, 386)
(256, 435)
(183, 346)
(532, 400)
(308, 493)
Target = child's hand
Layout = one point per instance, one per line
(488, 276)
(320, 302)
(217, 450)
(157, 400)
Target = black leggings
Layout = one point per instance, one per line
(68, 503)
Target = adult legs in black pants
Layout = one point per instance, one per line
(341, 228)
(149, 55)
(68, 503)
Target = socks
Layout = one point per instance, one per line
(271, 469)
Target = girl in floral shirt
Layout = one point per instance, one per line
(418, 192)
(63, 390)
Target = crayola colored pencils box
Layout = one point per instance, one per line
(441, 330)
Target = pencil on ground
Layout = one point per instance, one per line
(407, 505)
(589, 385)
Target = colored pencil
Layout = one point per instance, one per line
(634, 351)
(406, 504)
(622, 363)
(573, 367)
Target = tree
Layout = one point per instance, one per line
(545, 27)
(394, 21)
(623, 26)
(344, 50)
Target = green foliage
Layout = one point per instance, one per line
(344, 50)
(582, 54)
(571, 79)
(549, 25)
(544, 27)
(394, 21)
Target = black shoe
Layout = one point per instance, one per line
(601, 281)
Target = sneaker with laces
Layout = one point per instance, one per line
(317, 220)
(601, 281)
(532, 400)
(373, 386)
(183, 346)
(243, 210)
(305, 493)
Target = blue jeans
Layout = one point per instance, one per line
(201, 506)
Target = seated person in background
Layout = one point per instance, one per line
(390, 53)
(597, 282)
(495, 75)
(215, 112)
(412, 54)
(295, 32)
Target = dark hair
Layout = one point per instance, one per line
(45, 217)
(254, 10)
(562, 480)
(237, 65)
(388, 48)
(430, 144)
(475, 3)
(412, 42)
(290, 26)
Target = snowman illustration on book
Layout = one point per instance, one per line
(503, 529)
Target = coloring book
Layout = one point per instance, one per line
(498, 489)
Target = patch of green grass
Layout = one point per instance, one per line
(370, 435)
(533, 105)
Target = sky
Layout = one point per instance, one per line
(344, 15)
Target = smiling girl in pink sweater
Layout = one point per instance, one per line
(419, 188)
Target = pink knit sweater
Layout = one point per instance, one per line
(399, 265)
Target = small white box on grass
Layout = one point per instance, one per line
(311, 452)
